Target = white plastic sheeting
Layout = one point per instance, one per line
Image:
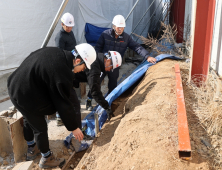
(24, 24)
(216, 51)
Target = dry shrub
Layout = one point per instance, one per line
(166, 44)
(208, 111)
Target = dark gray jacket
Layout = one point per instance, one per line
(65, 40)
(108, 42)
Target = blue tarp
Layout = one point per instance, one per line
(92, 33)
(121, 88)
(89, 122)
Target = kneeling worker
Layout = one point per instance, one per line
(103, 63)
(115, 39)
(41, 86)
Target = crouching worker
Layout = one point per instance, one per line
(41, 86)
(104, 63)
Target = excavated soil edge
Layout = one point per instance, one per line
(143, 134)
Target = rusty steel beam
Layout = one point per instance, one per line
(202, 44)
(183, 131)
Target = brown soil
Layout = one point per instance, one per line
(143, 133)
(58, 134)
(146, 137)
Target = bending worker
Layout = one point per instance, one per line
(41, 86)
(108, 62)
(115, 39)
(65, 40)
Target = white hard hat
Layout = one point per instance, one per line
(87, 53)
(68, 19)
(116, 59)
(119, 21)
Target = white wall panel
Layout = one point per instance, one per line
(24, 24)
(216, 50)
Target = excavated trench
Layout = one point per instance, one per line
(118, 109)
(143, 134)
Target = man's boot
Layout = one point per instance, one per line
(32, 153)
(51, 162)
(89, 104)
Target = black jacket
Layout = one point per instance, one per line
(108, 42)
(41, 84)
(65, 40)
(92, 76)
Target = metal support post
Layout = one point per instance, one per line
(203, 39)
(131, 10)
(96, 124)
(54, 23)
(149, 19)
(143, 16)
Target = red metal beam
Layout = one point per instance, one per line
(183, 131)
(203, 39)
(177, 17)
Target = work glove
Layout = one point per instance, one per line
(109, 113)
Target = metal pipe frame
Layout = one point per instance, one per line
(132, 10)
(143, 16)
(54, 23)
(150, 19)
(96, 124)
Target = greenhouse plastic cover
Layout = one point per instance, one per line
(25, 24)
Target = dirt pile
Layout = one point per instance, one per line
(143, 135)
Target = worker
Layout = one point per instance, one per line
(107, 62)
(41, 86)
(115, 39)
(65, 40)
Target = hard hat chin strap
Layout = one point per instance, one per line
(82, 62)
(76, 54)
(115, 31)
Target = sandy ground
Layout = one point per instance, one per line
(58, 134)
(143, 135)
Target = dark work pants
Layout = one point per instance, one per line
(113, 76)
(35, 126)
